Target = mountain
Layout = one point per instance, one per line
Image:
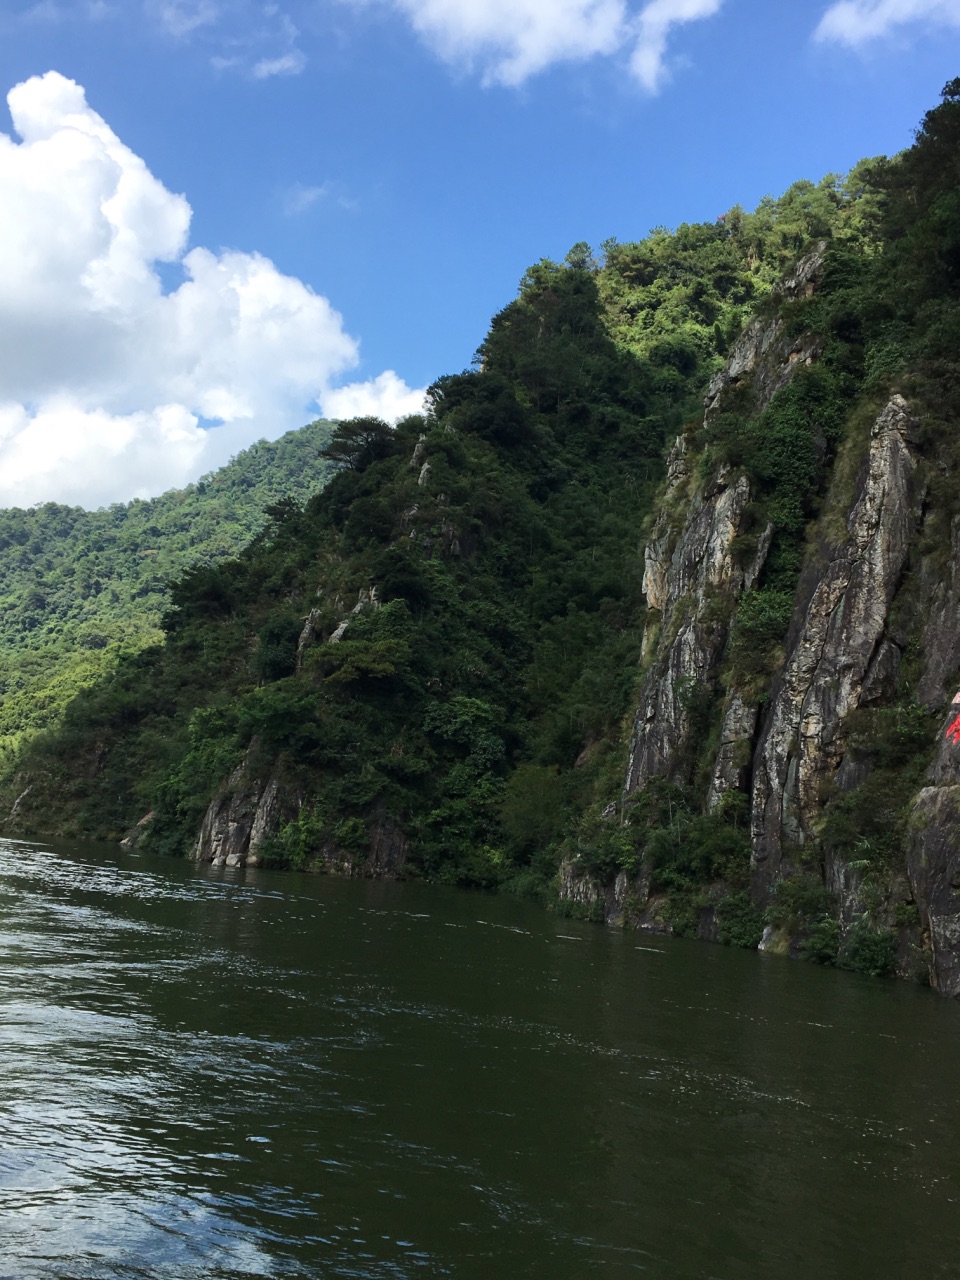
(655, 614)
(78, 588)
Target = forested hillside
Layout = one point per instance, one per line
(79, 587)
(459, 661)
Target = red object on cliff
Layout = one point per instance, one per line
(953, 728)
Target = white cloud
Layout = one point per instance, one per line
(511, 40)
(72, 455)
(514, 39)
(51, 13)
(289, 64)
(855, 22)
(654, 25)
(43, 12)
(387, 397)
(246, 36)
(105, 380)
(182, 17)
(300, 198)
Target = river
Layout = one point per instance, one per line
(235, 1074)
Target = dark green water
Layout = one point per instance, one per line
(246, 1074)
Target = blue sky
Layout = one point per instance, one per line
(364, 183)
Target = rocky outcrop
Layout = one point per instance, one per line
(865, 599)
(245, 811)
(136, 834)
(692, 578)
(388, 849)
(764, 353)
(692, 628)
(367, 599)
(625, 899)
(838, 652)
(20, 799)
(731, 770)
(940, 594)
(308, 636)
(252, 805)
(933, 865)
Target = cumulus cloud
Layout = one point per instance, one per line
(855, 22)
(511, 40)
(110, 387)
(387, 397)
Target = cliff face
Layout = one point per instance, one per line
(873, 628)
(256, 800)
(933, 866)
(933, 845)
(692, 579)
(840, 656)
(245, 811)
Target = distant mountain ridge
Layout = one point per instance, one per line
(77, 586)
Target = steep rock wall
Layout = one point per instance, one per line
(876, 622)
(933, 864)
(692, 580)
(839, 653)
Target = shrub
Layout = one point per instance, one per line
(822, 943)
(741, 923)
(868, 950)
(799, 901)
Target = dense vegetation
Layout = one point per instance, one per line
(447, 637)
(78, 588)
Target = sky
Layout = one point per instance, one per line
(220, 219)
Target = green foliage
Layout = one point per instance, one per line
(740, 922)
(277, 647)
(679, 299)
(868, 950)
(696, 849)
(605, 848)
(800, 901)
(890, 746)
(358, 443)
(758, 634)
(822, 942)
(805, 908)
(682, 913)
(533, 806)
(506, 580)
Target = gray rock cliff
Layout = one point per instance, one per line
(838, 652)
(244, 812)
(692, 579)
